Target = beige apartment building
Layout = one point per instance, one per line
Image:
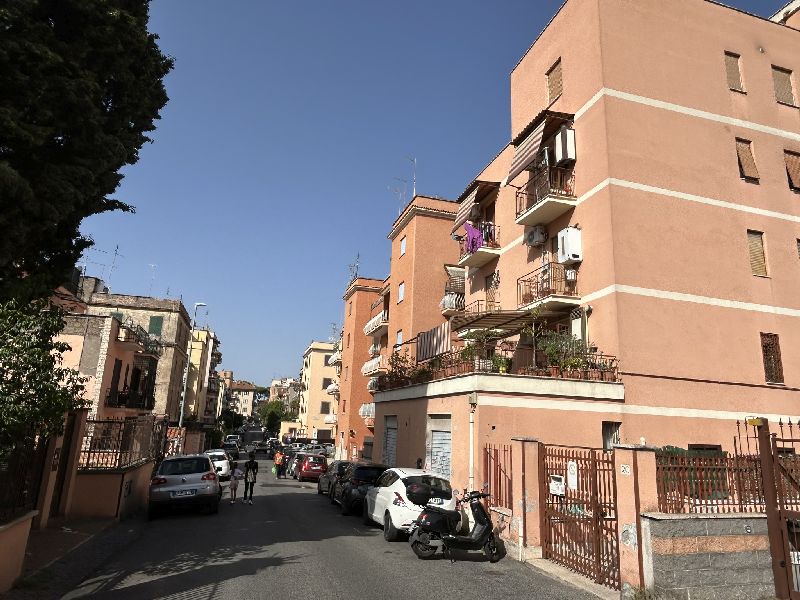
(164, 320)
(316, 404)
(202, 388)
(648, 204)
(242, 397)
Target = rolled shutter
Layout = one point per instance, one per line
(783, 85)
(555, 81)
(755, 245)
(747, 164)
(793, 169)
(733, 72)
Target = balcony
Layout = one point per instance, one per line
(336, 358)
(374, 350)
(480, 246)
(333, 389)
(547, 197)
(367, 412)
(373, 385)
(553, 288)
(374, 366)
(330, 419)
(451, 304)
(377, 325)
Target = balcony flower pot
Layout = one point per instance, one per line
(608, 375)
(527, 298)
(594, 374)
(554, 371)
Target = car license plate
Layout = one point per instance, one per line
(184, 493)
(315, 468)
(436, 501)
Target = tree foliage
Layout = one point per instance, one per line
(231, 421)
(35, 388)
(81, 85)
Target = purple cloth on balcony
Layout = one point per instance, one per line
(474, 237)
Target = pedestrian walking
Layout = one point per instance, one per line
(236, 475)
(250, 473)
(278, 461)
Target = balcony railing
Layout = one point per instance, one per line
(333, 389)
(452, 302)
(481, 235)
(330, 419)
(482, 306)
(374, 350)
(552, 279)
(548, 182)
(129, 399)
(376, 323)
(373, 385)
(374, 365)
(335, 358)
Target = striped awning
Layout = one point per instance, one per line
(465, 208)
(525, 152)
(433, 342)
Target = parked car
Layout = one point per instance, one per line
(222, 462)
(233, 438)
(183, 481)
(387, 503)
(312, 467)
(351, 488)
(315, 449)
(232, 448)
(327, 480)
(294, 463)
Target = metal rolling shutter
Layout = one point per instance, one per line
(441, 448)
(390, 446)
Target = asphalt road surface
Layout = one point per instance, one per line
(291, 544)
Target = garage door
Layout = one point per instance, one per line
(390, 446)
(440, 453)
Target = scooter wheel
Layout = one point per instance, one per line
(491, 550)
(423, 551)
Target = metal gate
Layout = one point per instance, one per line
(390, 446)
(440, 453)
(579, 520)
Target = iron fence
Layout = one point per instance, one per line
(551, 279)
(119, 444)
(552, 181)
(498, 467)
(21, 468)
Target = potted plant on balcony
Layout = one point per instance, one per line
(572, 367)
(501, 363)
(608, 370)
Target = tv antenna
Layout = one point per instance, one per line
(152, 278)
(354, 268)
(399, 193)
(413, 160)
(113, 264)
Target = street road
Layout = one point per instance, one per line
(292, 544)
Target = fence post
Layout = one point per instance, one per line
(637, 493)
(525, 490)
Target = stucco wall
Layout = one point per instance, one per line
(14, 541)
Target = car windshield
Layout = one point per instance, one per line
(184, 466)
(317, 460)
(368, 473)
(440, 487)
(217, 457)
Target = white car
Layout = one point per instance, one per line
(222, 463)
(387, 503)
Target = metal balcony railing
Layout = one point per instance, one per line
(333, 389)
(482, 306)
(482, 235)
(452, 301)
(374, 365)
(552, 181)
(552, 279)
(335, 358)
(374, 350)
(376, 322)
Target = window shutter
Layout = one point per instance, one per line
(771, 351)
(747, 164)
(755, 245)
(783, 85)
(793, 169)
(733, 72)
(555, 82)
(118, 316)
(155, 326)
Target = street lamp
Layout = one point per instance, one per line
(188, 360)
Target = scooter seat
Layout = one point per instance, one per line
(452, 514)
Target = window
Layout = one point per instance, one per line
(348, 340)
(555, 82)
(798, 248)
(401, 292)
(782, 78)
(346, 373)
(403, 246)
(326, 382)
(155, 326)
(733, 72)
(793, 169)
(755, 246)
(705, 449)
(771, 351)
(611, 434)
(399, 337)
(747, 164)
(326, 360)
(324, 408)
(350, 308)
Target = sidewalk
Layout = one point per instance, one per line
(59, 557)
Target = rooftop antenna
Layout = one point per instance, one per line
(397, 192)
(405, 187)
(152, 278)
(113, 264)
(413, 160)
(353, 267)
(334, 332)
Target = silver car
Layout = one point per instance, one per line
(182, 481)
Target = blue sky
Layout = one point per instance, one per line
(287, 124)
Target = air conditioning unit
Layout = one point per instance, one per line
(536, 236)
(570, 249)
(565, 146)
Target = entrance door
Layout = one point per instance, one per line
(390, 441)
(441, 449)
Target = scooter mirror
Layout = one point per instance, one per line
(456, 492)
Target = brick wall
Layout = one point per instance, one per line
(707, 556)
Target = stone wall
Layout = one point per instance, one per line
(707, 557)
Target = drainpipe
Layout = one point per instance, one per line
(473, 404)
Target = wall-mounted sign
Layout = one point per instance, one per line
(557, 485)
(624, 469)
(572, 475)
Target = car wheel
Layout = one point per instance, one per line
(319, 488)
(390, 532)
(345, 506)
(365, 515)
(331, 495)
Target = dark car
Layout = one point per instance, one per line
(327, 480)
(351, 488)
(312, 466)
(232, 448)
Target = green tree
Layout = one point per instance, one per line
(273, 422)
(231, 421)
(81, 85)
(35, 388)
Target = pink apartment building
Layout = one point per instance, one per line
(649, 204)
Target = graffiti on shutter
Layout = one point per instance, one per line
(440, 453)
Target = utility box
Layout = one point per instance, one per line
(570, 248)
(565, 146)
